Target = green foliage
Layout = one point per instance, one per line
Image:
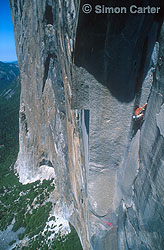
(12, 242)
(21, 236)
(24, 203)
(52, 218)
(38, 219)
(18, 221)
(9, 71)
(9, 133)
(70, 241)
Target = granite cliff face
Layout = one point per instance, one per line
(82, 77)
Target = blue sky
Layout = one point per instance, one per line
(7, 43)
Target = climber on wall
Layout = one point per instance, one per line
(139, 112)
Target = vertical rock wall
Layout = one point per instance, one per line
(142, 220)
(83, 75)
(51, 138)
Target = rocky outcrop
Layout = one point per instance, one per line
(82, 77)
(143, 219)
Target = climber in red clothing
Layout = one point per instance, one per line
(139, 112)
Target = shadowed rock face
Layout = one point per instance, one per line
(116, 49)
(82, 76)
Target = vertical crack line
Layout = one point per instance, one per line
(46, 68)
(126, 239)
(139, 147)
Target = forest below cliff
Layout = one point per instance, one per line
(26, 221)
